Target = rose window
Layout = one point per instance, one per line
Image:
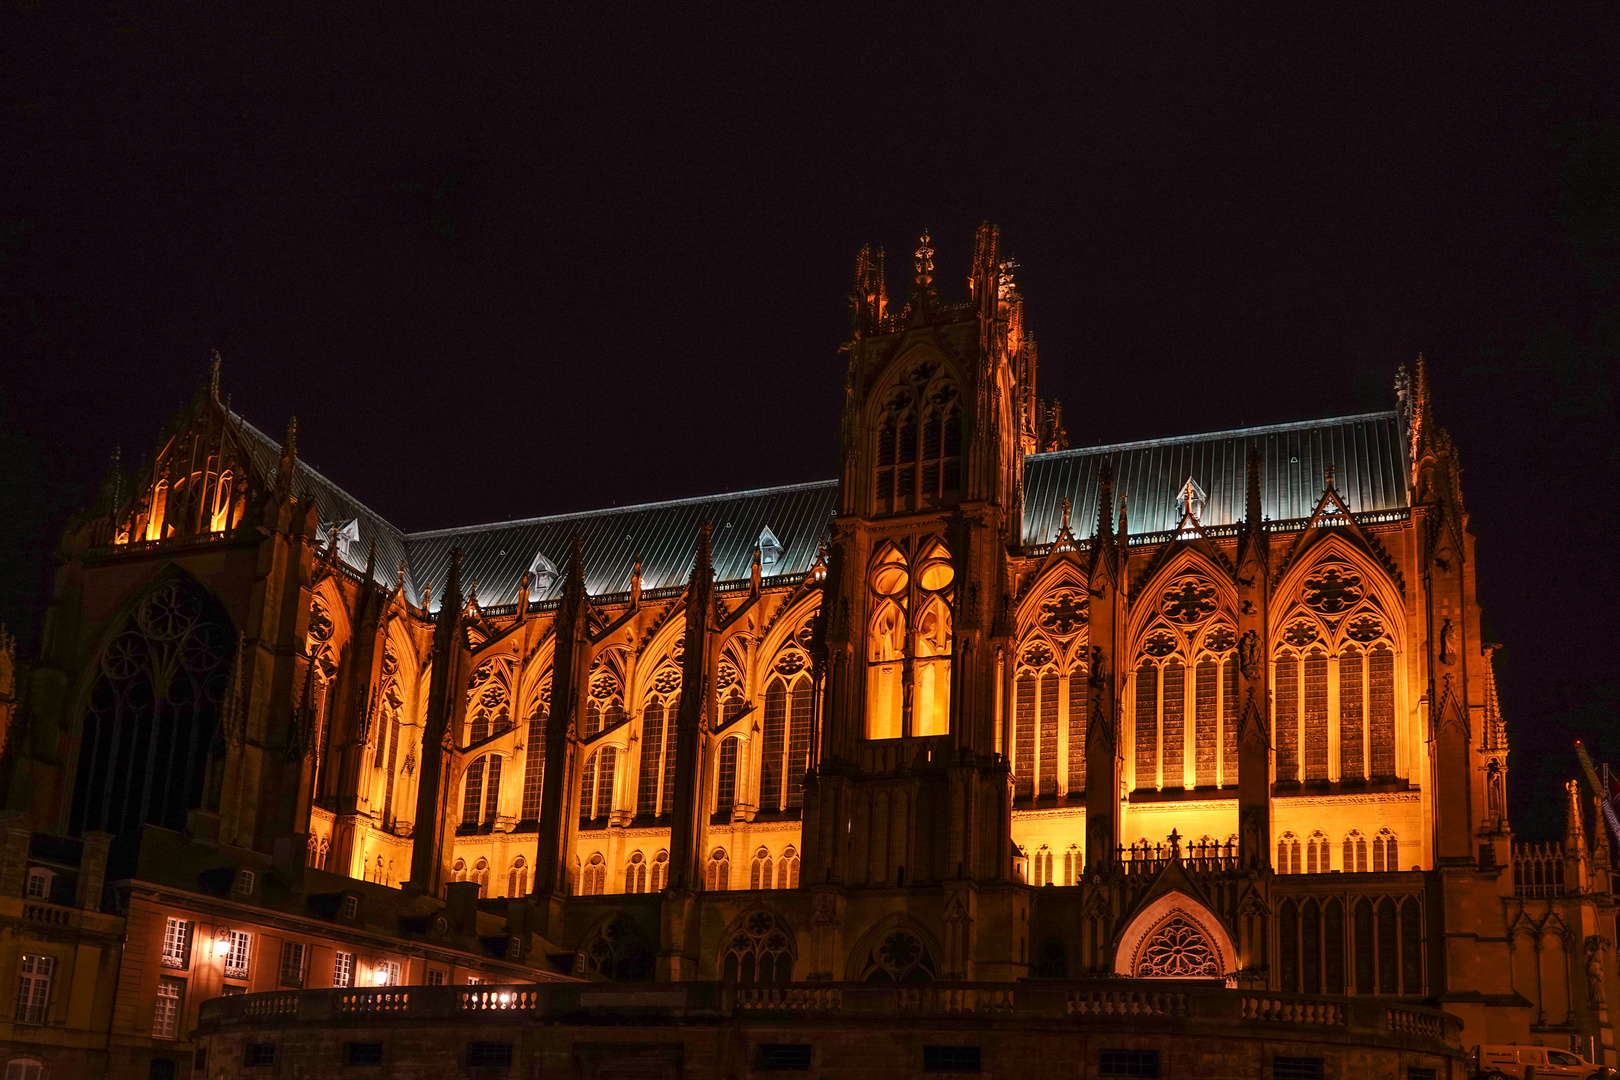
(1177, 948)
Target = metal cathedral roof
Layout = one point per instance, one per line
(1366, 451)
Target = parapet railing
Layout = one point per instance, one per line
(1173, 1002)
(1538, 869)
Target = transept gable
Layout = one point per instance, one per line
(1331, 520)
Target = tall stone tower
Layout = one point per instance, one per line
(911, 799)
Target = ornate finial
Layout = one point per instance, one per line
(1105, 500)
(1065, 527)
(922, 262)
(371, 560)
(213, 377)
(1327, 477)
(399, 580)
(289, 445)
(1124, 525)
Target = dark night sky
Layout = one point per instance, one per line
(506, 268)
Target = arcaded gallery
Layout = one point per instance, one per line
(1171, 758)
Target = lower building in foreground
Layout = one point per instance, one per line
(720, 1031)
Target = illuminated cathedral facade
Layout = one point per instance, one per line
(983, 709)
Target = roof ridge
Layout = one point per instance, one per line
(600, 511)
(313, 471)
(1261, 429)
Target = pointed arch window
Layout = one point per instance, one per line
(596, 785)
(785, 749)
(910, 639)
(725, 785)
(481, 792)
(534, 754)
(787, 869)
(717, 871)
(1036, 723)
(1355, 853)
(154, 717)
(660, 872)
(593, 879)
(762, 874)
(1288, 852)
(918, 455)
(635, 873)
(517, 878)
(1386, 856)
(758, 950)
(1318, 854)
(655, 790)
(1300, 706)
(605, 706)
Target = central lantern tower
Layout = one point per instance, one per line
(910, 808)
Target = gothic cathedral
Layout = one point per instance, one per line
(983, 709)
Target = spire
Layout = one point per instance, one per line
(450, 602)
(371, 561)
(574, 585)
(1124, 531)
(635, 582)
(984, 281)
(1105, 503)
(117, 479)
(213, 377)
(289, 459)
(1327, 477)
(1420, 426)
(1574, 828)
(703, 562)
(1251, 493)
(869, 297)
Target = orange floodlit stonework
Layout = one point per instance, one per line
(1206, 717)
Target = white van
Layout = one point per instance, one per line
(1533, 1063)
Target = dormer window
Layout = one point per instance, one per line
(245, 880)
(351, 907)
(770, 549)
(348, 539)
(39, 883)
(542, 574)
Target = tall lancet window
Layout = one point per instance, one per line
(918, 442)
(886, 646)
(910, 640)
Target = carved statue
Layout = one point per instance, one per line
(1447, 644)
(1594, 971)
(1494, 799)
(1249, 654)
